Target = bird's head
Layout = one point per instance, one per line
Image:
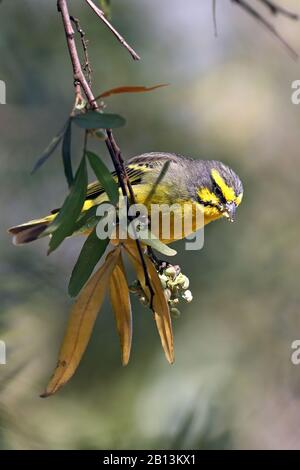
(219, 190)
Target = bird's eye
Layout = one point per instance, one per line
(218, 192)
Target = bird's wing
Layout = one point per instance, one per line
(153, 160)
(136, 168)
(95, 189)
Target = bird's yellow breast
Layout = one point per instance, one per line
(178, 217)
(171, 219)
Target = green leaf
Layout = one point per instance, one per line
(90, 254)
(50, 149)
(95, 120)
(66, 154)
(160, 177)
(105, 5)
(87, 219)
(157, 245)
(104, 177)
(65, 222)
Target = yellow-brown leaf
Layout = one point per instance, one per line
(81, 322)
(160, 304)
(129, 89)
(161, 312)
(131, 249)
(120, 299)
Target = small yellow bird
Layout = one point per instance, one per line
(206, 184)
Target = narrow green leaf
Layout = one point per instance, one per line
(63, 225)
(95, 120)
(50, 149)
(160, 177)
(66, 154)
(87, 220)
(90, 254)
(106, 7)
(104, 177)
(157, 245)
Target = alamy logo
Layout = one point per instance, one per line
(295, 356)
(167, 222)
(2, 92)
(2, 353)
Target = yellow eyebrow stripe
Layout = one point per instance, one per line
(227, 191)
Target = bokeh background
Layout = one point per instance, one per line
(233, 384)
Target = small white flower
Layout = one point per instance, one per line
(187, 296)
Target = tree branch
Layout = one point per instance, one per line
(79, 77)
(279, 10)
(120, 38)
(257, 16)
(114, 151)
(214, 13)
(87, 67)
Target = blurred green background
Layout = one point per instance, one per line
(233, 384)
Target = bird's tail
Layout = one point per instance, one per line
(34, 229)
(29, 231)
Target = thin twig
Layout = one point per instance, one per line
(120, 38)
(87, 67)
(79, 77)
(257, 16)
(214, 13)
(279, 10)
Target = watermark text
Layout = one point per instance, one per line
(2, 92)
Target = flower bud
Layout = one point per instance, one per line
(175, 312)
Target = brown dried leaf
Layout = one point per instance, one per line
(80, 325)
(160, 304)
(120, 299)
(129, 89)
(161, 312)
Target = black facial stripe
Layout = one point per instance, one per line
(205, 203)
(218, 192)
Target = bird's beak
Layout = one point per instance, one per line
(230, 211)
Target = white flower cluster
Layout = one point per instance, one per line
(175, 285)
